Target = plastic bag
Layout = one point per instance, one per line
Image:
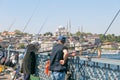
(33, 77)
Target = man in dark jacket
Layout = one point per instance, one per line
(58, 58)
(29, 61)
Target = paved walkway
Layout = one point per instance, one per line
(8, 74)
(5, 77)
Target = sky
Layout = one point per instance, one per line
(92, 16)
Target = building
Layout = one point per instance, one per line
(110, 45)
(61, 31)
(93, 39)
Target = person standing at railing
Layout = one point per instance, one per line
(29, 62)
(21, 56)
(58, 58)
(47, 65)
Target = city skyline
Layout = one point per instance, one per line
(93, 16)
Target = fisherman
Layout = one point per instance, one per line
(12, 59)
(29, 61)
(21, 56)
(2, 57)
(58, 58)
(47, 65)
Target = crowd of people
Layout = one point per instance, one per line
(10, 59)
(56, 66)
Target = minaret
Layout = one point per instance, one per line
(81, 36)
(78, 28)
(69, 25)
(81, 29)
(67, 30)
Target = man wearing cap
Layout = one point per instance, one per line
(58, 58)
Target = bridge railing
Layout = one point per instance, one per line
(94, 69)
(82, 68)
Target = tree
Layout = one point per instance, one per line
(78, 34)
(21, 45)
(102, 37)
(89, 33)
(48, 34)
(109, 38)
(18, 32)
(118, 38)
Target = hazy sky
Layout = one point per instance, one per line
(93, 15)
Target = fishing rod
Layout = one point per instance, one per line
(36, 37)
(11, 25)
(112, 22)
(42, 25)
(89, 57)
(8, 48)
(28, 21)
(10, 28)
(17, 70)
(106, 31)
(30, 18)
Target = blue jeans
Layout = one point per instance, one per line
(58, 75)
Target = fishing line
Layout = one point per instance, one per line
(112, 22)
(42, 25)
(106, 31)
(89, 57)
(11, 25)
(30, 18)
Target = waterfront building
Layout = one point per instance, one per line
(93, 39)
(110, 45)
